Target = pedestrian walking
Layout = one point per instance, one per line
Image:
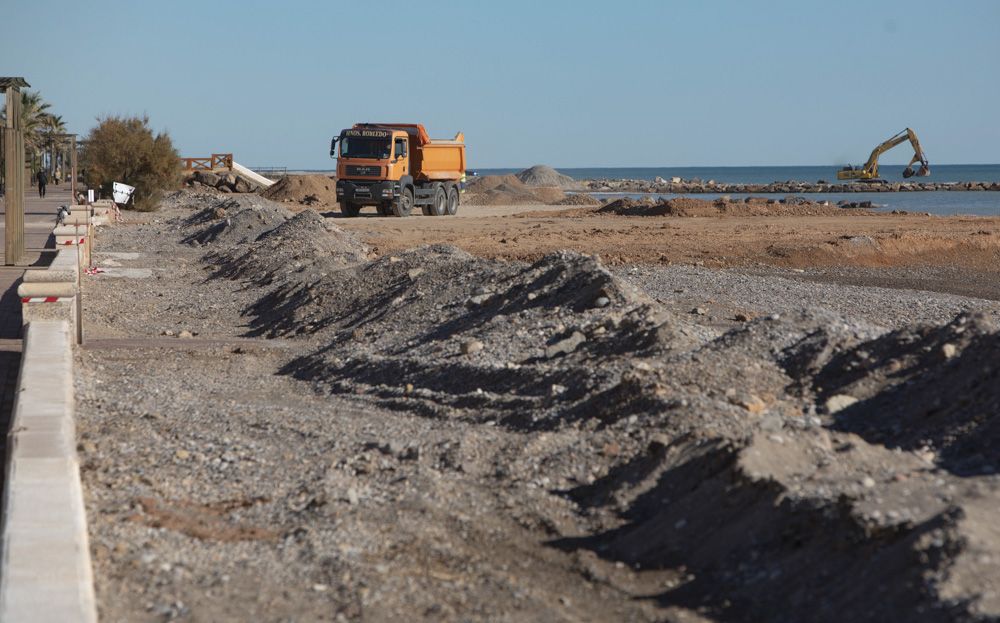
(43, 181)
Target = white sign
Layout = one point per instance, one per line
(90, 196)
(122, 192)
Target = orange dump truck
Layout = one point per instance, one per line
(396, 166)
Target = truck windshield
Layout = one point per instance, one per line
(357, 147)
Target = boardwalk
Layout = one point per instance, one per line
(39, 218)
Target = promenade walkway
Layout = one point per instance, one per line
(38, 220)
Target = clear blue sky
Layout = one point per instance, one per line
(584, 83)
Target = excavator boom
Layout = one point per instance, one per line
(870, 169)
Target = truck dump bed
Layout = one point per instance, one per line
(439, 160)
(432, 159)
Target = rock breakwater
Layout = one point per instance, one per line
(678, 185)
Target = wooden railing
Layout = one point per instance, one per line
(215, 161)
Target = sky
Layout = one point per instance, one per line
(567, 83)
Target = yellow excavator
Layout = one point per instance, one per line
(870, 169)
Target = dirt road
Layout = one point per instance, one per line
(970, 244)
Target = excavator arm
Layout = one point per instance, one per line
(918, 155)
(870, 170)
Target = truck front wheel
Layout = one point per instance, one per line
(349, 209)
(404, 204)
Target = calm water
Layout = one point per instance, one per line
(938, 202)
(766, 175)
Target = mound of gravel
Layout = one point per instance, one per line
(318, 190)
(931, 388)
(191, 199)
(235, 220)
(542, 175)
(806, 465)
(305, 245)
(697, 416)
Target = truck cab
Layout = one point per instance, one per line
(395, 167)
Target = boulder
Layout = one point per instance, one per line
(207, 178)
(242, 186)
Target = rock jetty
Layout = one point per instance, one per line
(678, 185)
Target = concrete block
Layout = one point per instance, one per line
(49, 275)
(37, 289)
(64, 309)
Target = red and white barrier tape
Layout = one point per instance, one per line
(44, 299)
(74, 241)
(93, 270)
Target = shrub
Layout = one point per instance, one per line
(124, 149)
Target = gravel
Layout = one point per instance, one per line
(725, 293)
(435, 436)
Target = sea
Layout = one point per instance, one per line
(985, 203)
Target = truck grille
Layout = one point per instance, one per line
(364, 171)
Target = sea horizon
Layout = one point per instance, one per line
(750, 174)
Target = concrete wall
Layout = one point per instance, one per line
(45, 569)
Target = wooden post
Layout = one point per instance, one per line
(72, 166)
(14, 179)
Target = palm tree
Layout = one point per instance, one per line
(34, 120)
(51, 125)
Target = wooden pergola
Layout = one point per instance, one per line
(13, 171)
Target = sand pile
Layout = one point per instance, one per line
(311, 190)
(646, 207)
(541, 175)
(508, 190)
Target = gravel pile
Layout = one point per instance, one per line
(305, 245)
(542, 175)
(437, 436)
(235, 220)
(725, 295)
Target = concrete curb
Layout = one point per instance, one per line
(45, 569)
(51, 293)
